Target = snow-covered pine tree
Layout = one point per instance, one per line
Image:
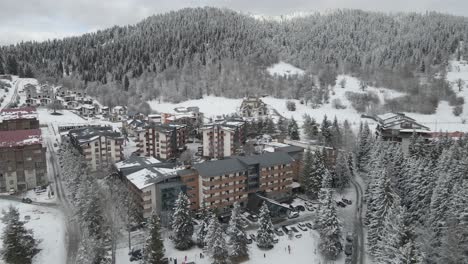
(237, 235)
(182, 224)
(293, 129)
(325, 132)
(19, 244)
(363, 146)
(201, 233)
(317, 171)
(349, 140)
(337, 136)
(282, 126)
(341, 173)
(154, 246)
(265, 231)
(210, 236)
(219, 249)
(330, 230)
(388, 248)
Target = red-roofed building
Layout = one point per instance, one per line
(22, 160)
(18, 119)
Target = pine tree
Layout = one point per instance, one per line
(282, 126)
(182, 224)
(265, 231)
(363, 146)
(293, 130)
(219, 251)
(19, 245)
(314, 169)
(388, 248)
(154, 247)
(341, 174)
(325, 132)
(330, 230)
(348, 139)
(336, 135)
(203, 230)
(210, 237)
(237, 235)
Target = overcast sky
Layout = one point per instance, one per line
(45, 19)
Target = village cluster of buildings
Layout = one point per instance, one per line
(22, 155)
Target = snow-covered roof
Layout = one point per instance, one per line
(18, 113)
(135, 161)
(145, 177)
(15, 138)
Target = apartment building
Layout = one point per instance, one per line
(155, 184)
(162, 141)
(224, 182)
(22, 160)
(18, 119)
(101, 146)
(223, 139)
(253, 107)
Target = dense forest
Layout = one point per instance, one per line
(191, 52)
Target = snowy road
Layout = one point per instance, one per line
(358, 247)
(73, 232)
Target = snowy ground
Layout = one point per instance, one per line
(303, 250)
(7, 95)
(48, 225)
(43, 197)
(284, 69)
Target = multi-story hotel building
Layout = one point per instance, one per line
(223, 139)
(22, 160)
(162, 141)
(100, 146)
(224, 182)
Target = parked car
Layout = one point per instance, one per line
(302, 227)
(309, 225)
(348, 249)
(135, 255)
(40, 189)
(340, 204)
(166, 261)
(293, 214)
(26, 200)
(275, 240)
(348, 260)
(12, 191)
(310, 207)
(349, 237)
(299, 236)
(252, 236)
(294, 229)
(249, 241)
(286, 229)
(278, 231)
(300, 208)
(346, 201)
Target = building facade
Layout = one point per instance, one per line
(100, 146)
(162, 141)
(253, 107)
(223, 139)
(22, 160)
(224, 182)
(18, 119)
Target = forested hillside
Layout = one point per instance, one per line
(191, 52)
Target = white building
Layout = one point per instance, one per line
(223, 139)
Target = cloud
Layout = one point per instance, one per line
(44, 19)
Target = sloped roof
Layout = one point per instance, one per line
(15, 138)
(18, 113)
(219, 167)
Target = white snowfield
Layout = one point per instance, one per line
(48, 225)
(284, 69)
(442, 120)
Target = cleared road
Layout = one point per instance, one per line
(358, 244)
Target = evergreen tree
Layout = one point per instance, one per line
(154, 247)
(237, 235)
(325, 132)
(282, 126)
(336, 135)
(388, 248)
(203, 230)
(19, 245)
(341, 173)
(364, 145)
(330, 230)
(219, 251)
(293, 130)
(210, 237)
(348, 139)
(314, 169)
(265, 231)
(182, 224)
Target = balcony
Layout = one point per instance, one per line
(208, 183)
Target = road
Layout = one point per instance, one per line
(18, 199)
(73, 232)
(358, 244)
